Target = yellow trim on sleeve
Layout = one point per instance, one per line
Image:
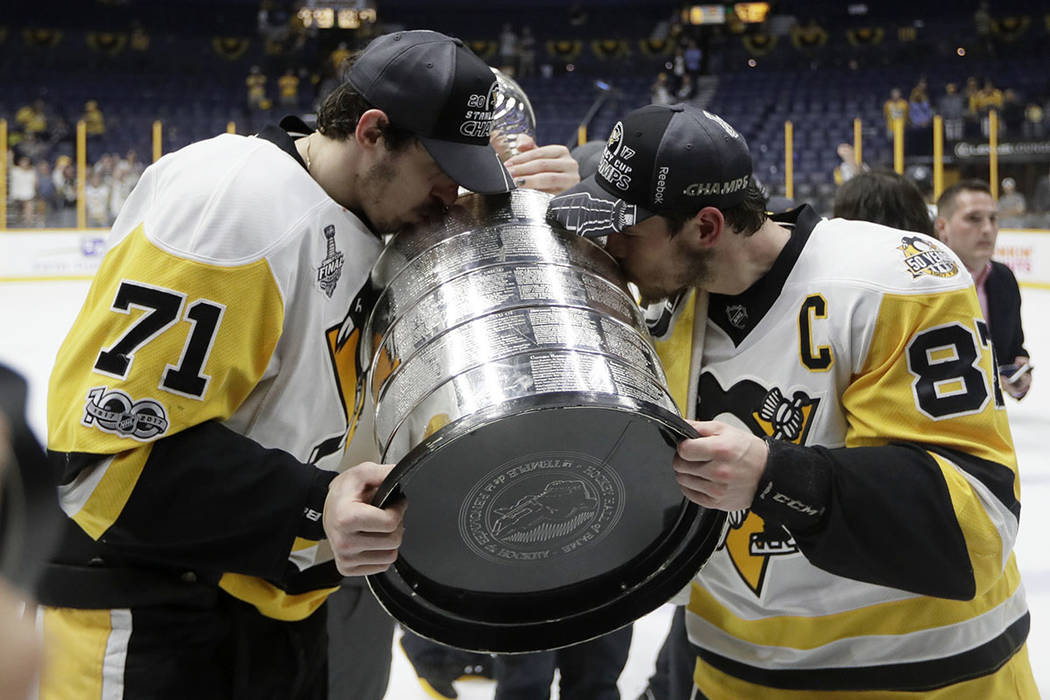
(108, 499)
(983, 541)
(270, 600)
(892, 618)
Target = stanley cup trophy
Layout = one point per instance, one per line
(516, 389)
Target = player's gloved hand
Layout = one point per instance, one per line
(546, 168)
(364, 538)
(721, 468)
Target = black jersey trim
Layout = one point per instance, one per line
(739, 314)
(997, 477)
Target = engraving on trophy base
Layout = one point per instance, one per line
(540, 507)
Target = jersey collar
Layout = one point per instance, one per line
(738, 314)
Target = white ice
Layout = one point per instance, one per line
(35, 316)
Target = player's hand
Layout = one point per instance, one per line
(549, 168)
(721, 468)
(1019, 388)
(364, 538)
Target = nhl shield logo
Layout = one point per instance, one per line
(332, 266)
(737, 315)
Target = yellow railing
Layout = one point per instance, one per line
(3, 174)
(898, 152)
(789, 159)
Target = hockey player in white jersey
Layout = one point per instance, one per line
(841, 379)
(203, 404)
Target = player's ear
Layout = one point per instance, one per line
(368, 133)
(939, 224)
(706, 227)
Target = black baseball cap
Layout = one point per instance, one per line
(670, 160)
(437, 88)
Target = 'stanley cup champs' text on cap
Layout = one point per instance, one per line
(437, 88)
(668, 160)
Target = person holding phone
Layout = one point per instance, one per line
(967, 222)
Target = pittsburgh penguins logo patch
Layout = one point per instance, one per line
(751, 542)
(925, 258)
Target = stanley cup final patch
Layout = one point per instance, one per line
(331, 267)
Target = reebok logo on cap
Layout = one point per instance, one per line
(667, 160)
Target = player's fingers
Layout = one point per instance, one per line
(367, 563)
(552, 183)
(542, 165)
(522, 144)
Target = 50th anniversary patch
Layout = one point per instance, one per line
(540, 507)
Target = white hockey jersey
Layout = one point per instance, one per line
(879, 559)
(205, 395)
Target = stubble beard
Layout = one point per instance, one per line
(694, 274)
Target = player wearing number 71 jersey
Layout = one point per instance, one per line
(850, 421)
(203, 410)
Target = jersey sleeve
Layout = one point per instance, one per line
(164, 349)
(924, 495)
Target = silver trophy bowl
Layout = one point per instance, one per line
(516, 389)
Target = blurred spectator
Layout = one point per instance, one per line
(848, 168)
(508, 49)
(693, 58)
(134, 165)
(660, 91)
(139, 39)
(33, 118)
(985, 100)
(1034, 126)
(952, 108)
(896, 107)
(120, 186)
(46, 194)
(920, 113)
(336, 58)
(104, 167)
(1011, 119)
(96, 201)
(677, 67)
(65, 181)
(685, 88)
(288, 87)
(884, 197)
(32, 146)
(1041, 198)
(526, 53)
(1011, 203)
(94, 122)
(256, 84)
(23, 191)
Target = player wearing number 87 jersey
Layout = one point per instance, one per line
(851, 422)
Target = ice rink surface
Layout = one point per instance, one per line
(35, 317)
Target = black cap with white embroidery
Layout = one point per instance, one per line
(668, 160)
(437, 88)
